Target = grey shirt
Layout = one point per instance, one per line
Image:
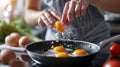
(90, 27)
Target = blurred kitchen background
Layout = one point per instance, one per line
(13, 9)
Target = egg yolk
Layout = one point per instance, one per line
(59, 49)
(59, 26)
(79, 52)
(62, 54)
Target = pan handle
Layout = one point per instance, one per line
(109, 40)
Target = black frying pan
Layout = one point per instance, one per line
(35, 50)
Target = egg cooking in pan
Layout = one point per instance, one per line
(61, 52)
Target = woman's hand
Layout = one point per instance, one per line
(48, 18)
(74, 8)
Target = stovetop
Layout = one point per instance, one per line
(34, 64)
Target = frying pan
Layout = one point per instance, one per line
(35, 51)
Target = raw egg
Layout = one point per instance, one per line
(7, 56)
(16, 35)
(24, 40)
(79, 52)
(11, 41)
(59, 26)
(59, 49)
(62, 55)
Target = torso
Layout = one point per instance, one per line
(89, 27)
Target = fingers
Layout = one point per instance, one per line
(64, 19)
(71, 11)
(83, 10)
(81, 6)
(48, 18)
(41, 23)
(56, 15)
(85, 4)
(78, 8)
(51, 19)
(74, 7)
(68, 12)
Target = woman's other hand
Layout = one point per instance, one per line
(48, 18)
(74, 7)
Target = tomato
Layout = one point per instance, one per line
(112, 63)
(115, 49)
